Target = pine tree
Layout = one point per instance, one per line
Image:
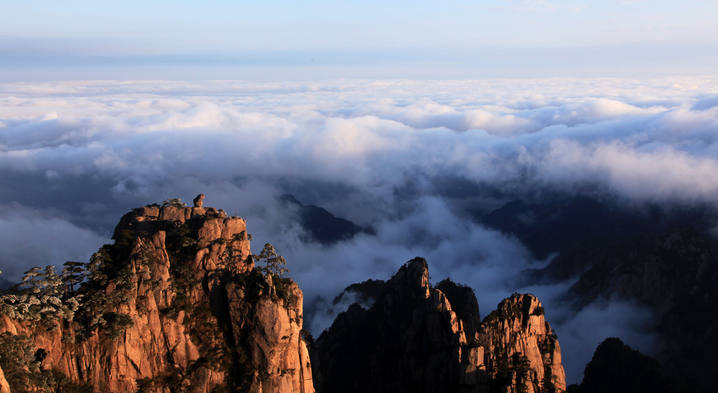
(40, 297)
(73, 274)
(274, 263)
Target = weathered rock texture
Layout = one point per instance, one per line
(174, 305)
(416, 338)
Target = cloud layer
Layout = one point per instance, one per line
(415, 160)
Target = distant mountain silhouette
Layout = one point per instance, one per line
(321, 225)
(566, 223)
(617, 368)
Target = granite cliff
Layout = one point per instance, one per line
(418, 338)
(176, 304)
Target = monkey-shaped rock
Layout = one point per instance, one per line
(198, 200)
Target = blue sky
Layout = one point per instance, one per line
(618, 35)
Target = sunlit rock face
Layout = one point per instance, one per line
(517, 335)
(412, 339)
(175, 304)
(4, 386)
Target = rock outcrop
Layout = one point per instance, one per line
(174, 305)
(413, 339)
(198, 201)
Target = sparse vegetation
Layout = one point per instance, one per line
(284, 291)
(274, 265)
(175, 202)
(17, 360)
(20, 361)
(42, 297)
(117, 323)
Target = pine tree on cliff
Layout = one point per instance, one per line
(73, 273)
(40, 297)
(274, 263)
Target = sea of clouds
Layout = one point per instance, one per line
(417, 161)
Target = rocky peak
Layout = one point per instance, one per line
(172, 215)
(417, 338)
(520, 347)
(412, 278)
(174, 304)
(525, 311)
(213, 233)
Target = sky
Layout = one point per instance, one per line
(310, 39)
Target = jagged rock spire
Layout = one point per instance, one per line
(418, 339)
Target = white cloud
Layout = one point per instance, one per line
(369, 151)
(658, 174)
